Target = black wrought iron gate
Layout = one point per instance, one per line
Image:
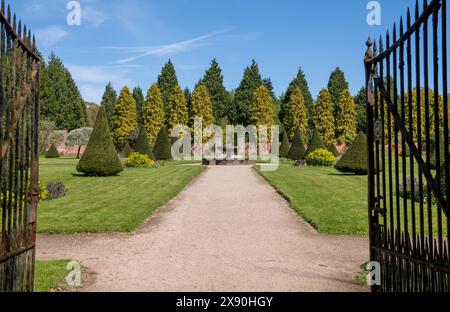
(19, 162)
(408, 142)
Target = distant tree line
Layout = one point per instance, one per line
(335, 114)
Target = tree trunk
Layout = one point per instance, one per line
(79, 151)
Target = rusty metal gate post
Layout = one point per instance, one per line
(19, 152)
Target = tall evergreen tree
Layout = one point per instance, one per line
(244, 94)
(361, 114)
(301, 83)
(345, 117)
(323, 117)
(201, 107)
(109, 101)
(336, 85)
(297, 116)
(61, 101)
(267, 82)
(154, 116)
(139, 99)
(213, 81)
(261, 109)
(124, 119)
(431, 117)
(188, 96)
(178, 109)
(167, 81)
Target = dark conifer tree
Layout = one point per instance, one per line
(139, 98)
(167, 81)
(244, 94)
(213, 81)
(109, 100)
(61, 101)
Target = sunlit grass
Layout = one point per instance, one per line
(336, 203)
(108, 204)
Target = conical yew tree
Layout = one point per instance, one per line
(297, 151)
(142, 145)
(100, 157)
(126, 151)
(285, 146)
(316, 143)
(355, 159)
(333, 150)
(162, 149)
(52, 152)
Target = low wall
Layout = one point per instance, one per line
(229, 162)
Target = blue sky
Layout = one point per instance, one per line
(128, 41)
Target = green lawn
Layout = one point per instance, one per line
(50, 275)
(333, 203)
(111, 204)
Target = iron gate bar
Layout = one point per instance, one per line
(442, 201)
(401, 235)
(445, 102)
(426, 13)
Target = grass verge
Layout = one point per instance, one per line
(49, 275)
(108, 204)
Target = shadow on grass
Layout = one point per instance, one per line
(346, 175)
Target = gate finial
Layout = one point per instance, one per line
(369, 52)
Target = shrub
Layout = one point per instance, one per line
(43, 193)
(163, 148)
(52, 152)
(56, 190)
(126, 151)
(100, 157)
(316, 143)
(285, 146)
(137, 160)
(321, 157)
(408, 194)
(79, 137)
(297, 151)
(333, 150)
(142, 144)
(355, 159)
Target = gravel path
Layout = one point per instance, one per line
(227, 231)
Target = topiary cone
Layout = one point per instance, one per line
(285, 146)
(355, 159)
(52, 152)
(126, 151)
(333, 150)
(142, 144)
(297, 151)
(163, 148)
(100, 157)
(316, 143)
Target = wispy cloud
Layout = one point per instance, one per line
(92, 16)
(51, 35)
(169, 49)
(92, 79)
